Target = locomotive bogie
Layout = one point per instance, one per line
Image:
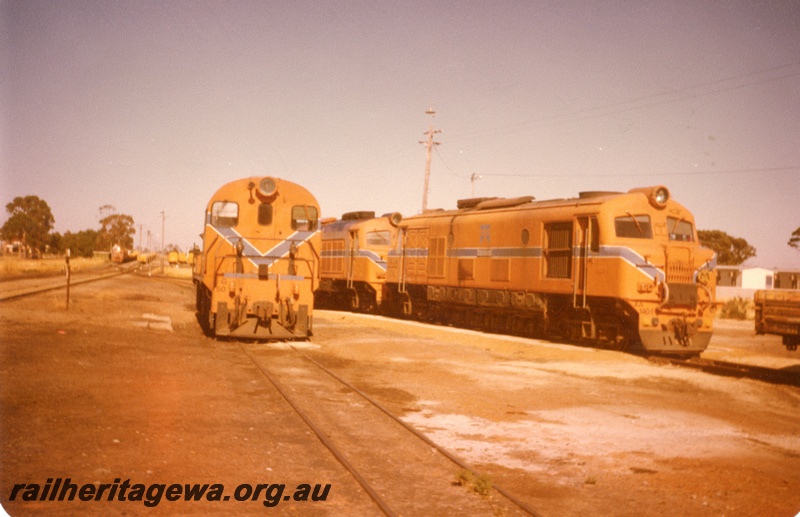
(259, 266)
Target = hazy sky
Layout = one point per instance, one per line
(151, 106)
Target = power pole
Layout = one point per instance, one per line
(163, 216)
(429, 143)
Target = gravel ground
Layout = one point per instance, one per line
(124, 385)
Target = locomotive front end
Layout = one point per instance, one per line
(353, 260)
(675, 285)
(258, 270)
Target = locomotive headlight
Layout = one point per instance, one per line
(657, 196)
(267, 187)
(660, 196)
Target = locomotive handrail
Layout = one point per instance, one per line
(402, 271)
(665, 297)
(232, 256)
(210, 247)
(710, 297)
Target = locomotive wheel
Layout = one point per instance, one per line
(355, 303)
(620, 344)
(205, 317)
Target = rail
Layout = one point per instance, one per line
(340, 456)
(57, 282)
(789, 377)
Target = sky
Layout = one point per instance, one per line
(150, 106)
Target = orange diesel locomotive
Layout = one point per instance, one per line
(258, 269)
(619, 270)
(353, 260)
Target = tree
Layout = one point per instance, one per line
(30, 223)
(794, 240)
(731, 251)
(81, 244)
(55, 243)
(116, 229)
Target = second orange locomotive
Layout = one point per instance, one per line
(619, 270)
(353, 261)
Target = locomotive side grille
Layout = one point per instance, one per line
(500, 270)
(436, 256)
(679, 272)
(332, 257)
(558, 253)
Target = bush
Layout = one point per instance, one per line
(481, 484)
(737, 309)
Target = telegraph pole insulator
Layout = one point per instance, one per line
(473, 178)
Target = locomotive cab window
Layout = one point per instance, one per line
(634, 226)
(304, 218)
(680, 230)
(379, 238)
(224, 214)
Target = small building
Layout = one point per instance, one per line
(728, 276)
(746, 278)
(787, 279)
(743, 282)
(11, 247)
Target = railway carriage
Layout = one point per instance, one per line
(777, 311)
(353, 260)
(613, 269)
(258, 269)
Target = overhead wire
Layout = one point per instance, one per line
(625, 106)
(674, 173)
(571, 116)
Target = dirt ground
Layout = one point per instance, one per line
(124, 386)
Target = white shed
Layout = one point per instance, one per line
(757, 278)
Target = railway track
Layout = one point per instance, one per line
(20, 288)
(14, 289)
(181, 282)
(367, 439)
(738, 370)
(23, 287)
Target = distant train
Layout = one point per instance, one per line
(145, 257)
(259, 264)
(778, 312)
(119, 254)
(178, 258)
(616, 270)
